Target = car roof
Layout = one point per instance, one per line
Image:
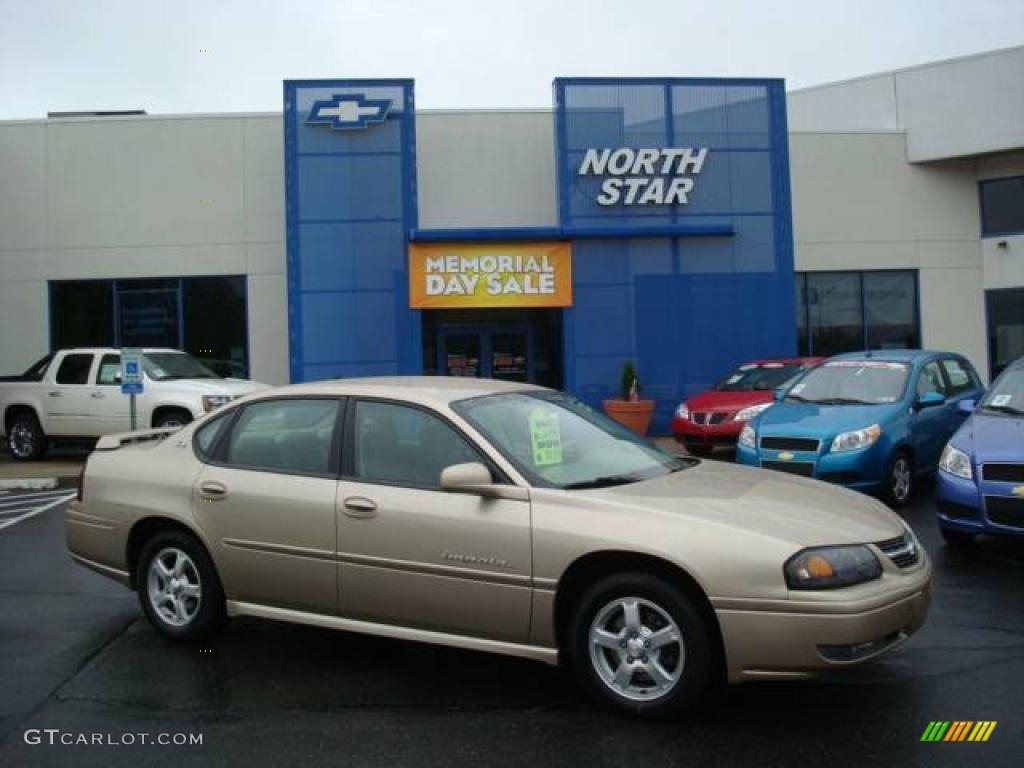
(806, 360)
(894, 355)
(114, 350)
(436, 390)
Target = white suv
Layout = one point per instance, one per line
(76, 394)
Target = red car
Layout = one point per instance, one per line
(716, 417)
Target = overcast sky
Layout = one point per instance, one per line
(64, 55)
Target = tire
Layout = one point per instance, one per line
(178, 587)
(898, 486)
(25, 437)
(175, 418)
(956, 538)
(687, 672)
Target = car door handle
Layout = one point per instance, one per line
(97, 395)
(213, 491)
(55, 394)
(359, 506)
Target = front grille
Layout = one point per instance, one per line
(712, 417)
(802, 468)
(790, 444)
(956, 511)
(840, 478)
(1005, 510)
(902, 550)
(1003, 473)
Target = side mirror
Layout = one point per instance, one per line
(967, 406)
(930, 399)
(475, 479)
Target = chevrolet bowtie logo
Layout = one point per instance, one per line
(785, 456)
(344, 111)
(1017, 490)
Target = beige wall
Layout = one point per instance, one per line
(858, 204)
(146, 197)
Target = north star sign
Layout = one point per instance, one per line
(644, 176)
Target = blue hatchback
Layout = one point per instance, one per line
(981, 474)
(873, 421)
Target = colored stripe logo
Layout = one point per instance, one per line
(958, 730)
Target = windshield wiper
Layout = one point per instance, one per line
(606, 481)
(844, 401)
(1003, 409)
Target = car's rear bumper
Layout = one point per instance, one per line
(774, 644)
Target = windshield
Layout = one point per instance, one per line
(852, 382)
(756, 378)
(557, 441)
(163, 366)
(1006, 394)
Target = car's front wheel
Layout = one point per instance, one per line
(178, 586)
(899, 482)
(638, 644)
(25, 437)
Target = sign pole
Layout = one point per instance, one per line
(131, 379)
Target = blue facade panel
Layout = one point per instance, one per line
(684, 309)
(350, 200)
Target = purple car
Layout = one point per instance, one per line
(981, 474)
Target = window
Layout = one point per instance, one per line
(850, 311)
(291, 436)
(74, 369)
(930, 380)
(405, 446)
(207, 434)
(109, 372)
(205, 316)
(1002, 206)
(961, 378)
(1005, 311)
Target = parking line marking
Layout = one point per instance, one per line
(36, 511)
(35, 499)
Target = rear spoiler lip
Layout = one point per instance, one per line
(113, 442)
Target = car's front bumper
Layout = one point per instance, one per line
(710, 435)
(961, 507)
(799, 638)
(863, 470)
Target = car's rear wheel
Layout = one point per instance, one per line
(178, 586)
(956, 538)
(25, 437)
(899, 481)
(639, 645)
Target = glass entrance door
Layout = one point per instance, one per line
(489, 351)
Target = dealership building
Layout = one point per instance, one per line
(684, 224)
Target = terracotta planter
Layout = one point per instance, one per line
(632, 414)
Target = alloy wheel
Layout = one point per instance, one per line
(636, 648)
(174, 587)
(21, 440)
(901, 478)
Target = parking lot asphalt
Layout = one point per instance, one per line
(76, 656)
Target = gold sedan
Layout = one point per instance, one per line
(497, 517)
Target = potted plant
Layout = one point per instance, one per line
(629, 410)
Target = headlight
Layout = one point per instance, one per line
(748, 413)
(682, 411)
(831, 567)
(214, 401)
(748, 437)
(956, 462)
(859, 438)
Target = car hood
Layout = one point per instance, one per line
(229, 387)
(786, 507)
(989, 437)
(713, 400)
(811, 420)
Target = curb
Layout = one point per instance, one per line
(28, 484)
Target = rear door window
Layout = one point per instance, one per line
(74, 369)
(293, 436)
(961, 377)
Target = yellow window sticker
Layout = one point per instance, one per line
(545, 438)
